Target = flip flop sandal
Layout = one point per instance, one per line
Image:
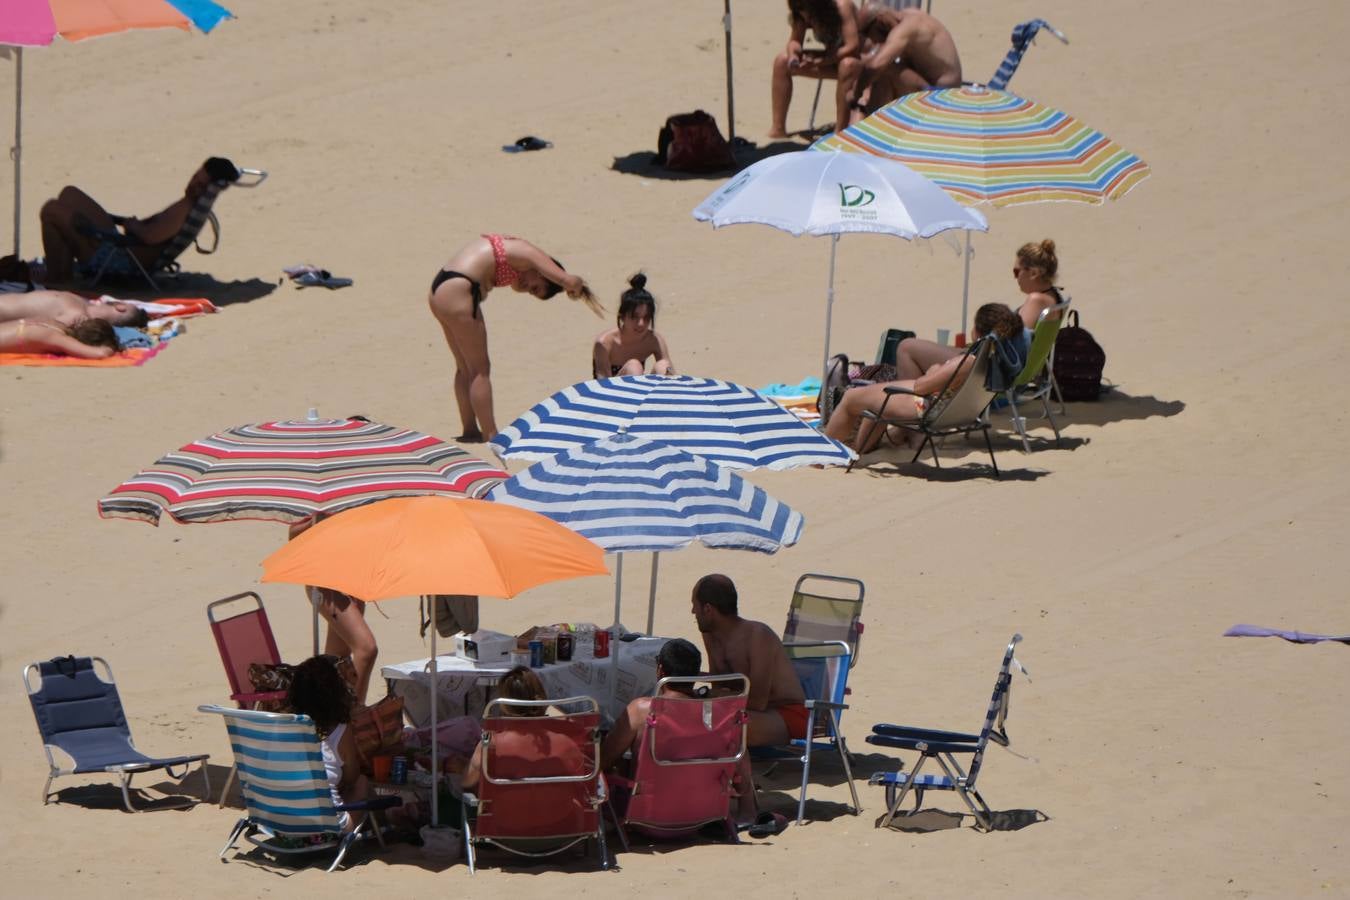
(767, 825)
(321, 278)
(527, 143)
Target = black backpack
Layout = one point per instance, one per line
(1079, 361)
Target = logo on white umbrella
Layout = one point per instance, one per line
(852, 199)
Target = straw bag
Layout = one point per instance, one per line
(377, 729)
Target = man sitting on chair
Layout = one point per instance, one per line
(68, 220)
(678, 658)
(742, 647)
(904, 51)
(835, 24)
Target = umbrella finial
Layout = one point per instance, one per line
(312, 415)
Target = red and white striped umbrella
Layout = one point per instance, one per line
(289, 471)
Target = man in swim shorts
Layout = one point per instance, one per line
(740, 646)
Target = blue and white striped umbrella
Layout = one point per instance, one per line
(720, 421)
(627, 493)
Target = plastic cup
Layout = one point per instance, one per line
(381, 766)
(943, 335)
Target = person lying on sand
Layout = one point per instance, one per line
(625, 350)
(69, 309)
(904, 51)
(991, 318)
(86, 339)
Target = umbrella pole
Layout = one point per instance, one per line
(314, 610)
(829, 314)
(618, 587)
(435, 769)
(17, 150)
(731, 106)
(651, 597)
(965, 287)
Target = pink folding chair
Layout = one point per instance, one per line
(541, 790)
(686, 760)
(243, 636)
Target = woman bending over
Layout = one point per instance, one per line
(461, 287)
(624, 350)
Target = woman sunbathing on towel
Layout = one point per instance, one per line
(992, 318)
(1035, 270)
(624, 350)
(86, 339)
(457, 292)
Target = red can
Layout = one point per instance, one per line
(601, 644)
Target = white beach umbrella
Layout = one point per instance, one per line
(833, 194)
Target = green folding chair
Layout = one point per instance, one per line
(1037, 378)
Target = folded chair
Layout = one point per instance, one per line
(243, 637)
(1037, 378)
(944, 746)
(958, 411)
(114, 256)
(541, 790)
(289, 808)
(79, 713)
(822, 667)
(685, 761)
(826, 608)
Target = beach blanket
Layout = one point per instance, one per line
(1297, 637)
(134, 357)
(180, 307)
(799, 399)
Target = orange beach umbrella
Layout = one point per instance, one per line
(408, 546)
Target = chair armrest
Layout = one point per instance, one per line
(823, 704)
(920, 744)
(925, 734)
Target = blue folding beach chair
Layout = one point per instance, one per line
(944, 746)
(289, 808)
(79, 714)
(1023, 36)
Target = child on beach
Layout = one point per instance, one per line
(624, 350)
(457, 292)
(86, 339)
(1035, 269)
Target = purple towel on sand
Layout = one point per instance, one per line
(1298, 637)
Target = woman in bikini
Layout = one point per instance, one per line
(991, 318)
(457, 292)
(624, 350)
(87, 338)
(1035, 269)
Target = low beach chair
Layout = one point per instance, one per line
(114, 257)
(822, 667)
(686, 761)
(541, 790)
(944, 746)
(243, 636)
(79, 713)
(1023, 36)
(959, 411)
(1037, 378)
(289, 808)
(826, 608)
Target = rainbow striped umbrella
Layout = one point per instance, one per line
(989, 146)
(289, 471)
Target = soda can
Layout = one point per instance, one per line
(398, 770)
(536, 654)
(565, 644)
(601, 643)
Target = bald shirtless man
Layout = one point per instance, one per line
(68, 309)
(904, 51)
(740, 646)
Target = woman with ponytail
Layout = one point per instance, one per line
(624, 350)
(461, 287)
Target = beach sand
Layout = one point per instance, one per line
(1202, 492)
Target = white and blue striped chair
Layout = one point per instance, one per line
(944, 746)
(289, 808)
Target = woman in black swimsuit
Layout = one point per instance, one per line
(457, 293)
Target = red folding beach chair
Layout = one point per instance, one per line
(685, 760)
(541, 790)
(243, 637)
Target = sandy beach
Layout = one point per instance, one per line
(1201, 492)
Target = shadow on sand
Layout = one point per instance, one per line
(190, 284)
(643, 162)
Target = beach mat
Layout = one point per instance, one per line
(137, 356)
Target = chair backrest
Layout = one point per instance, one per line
(998, 710)
(826, 608)
(1042, 342)
(79, 711)
(965, 404)
(822, 669)
(541, 773)
(281, 773)
(1022, 36)
(243, 636)
(686, 756)
(197, 217)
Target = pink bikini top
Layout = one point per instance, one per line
(504, 275)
